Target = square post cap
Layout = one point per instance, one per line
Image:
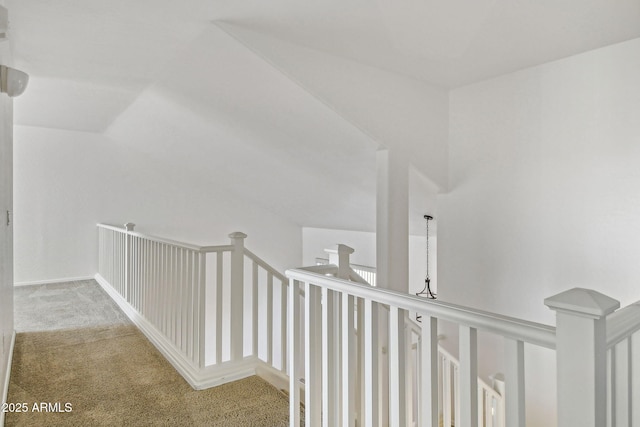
(238, 235)
(583, 302)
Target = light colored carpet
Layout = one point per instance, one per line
(69, 305)
(113, 376)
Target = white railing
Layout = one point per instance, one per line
(623, 367)
(220, 312)
(203, 306)
(366, 272)
(598, 368)
(330, 361)
(490, 402)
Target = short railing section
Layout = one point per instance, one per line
(218, 313)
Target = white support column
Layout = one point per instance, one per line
(514, 383)
(237, 295)
(581, 353)
(392, 221)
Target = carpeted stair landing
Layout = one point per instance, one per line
(112, 376)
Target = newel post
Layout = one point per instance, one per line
(581, 353)
(341, 258)
(127, 259)
(237, 295)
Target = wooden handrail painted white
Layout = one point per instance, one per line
(266, 266)
(215, 249)
(203, 249)
(367, 268)
(531, 332)
(623, 323)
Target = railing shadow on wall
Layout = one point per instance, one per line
(213, 311)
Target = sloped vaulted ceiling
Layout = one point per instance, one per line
(286, 102)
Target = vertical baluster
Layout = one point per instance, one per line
(409, 374)
(202, 304)
(621, 385)
(193, 304)
(447, 403)
(270, 318)
(371, 353)
(294, 355)
(429, 372)
(115, 262)
(184, 298)
(514, 382)
(188, 308)
(175, 274)
(330, 369)
(135, 271)
(348, 362)
(456, 393)
(171, 295)
(219, 326)
(397, 347)
(132, 272)
(166, 296)
(175, 297)
(360, 367)
(100, 243)
(254, 307)
(155, 295)
(141, 272)
(148, 288)
(128, 261)
(611, 389)
(468, 376)
(313, 362)
(283, 325)
(182, 294)
(634, 367)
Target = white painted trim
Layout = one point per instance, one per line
(197, 378)
(277, 378)
(51, 281)
(7, 377)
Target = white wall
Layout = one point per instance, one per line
(396, 111)
(544, 190)
(66, 182)
(6, 232)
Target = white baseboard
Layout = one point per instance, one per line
(198, 378)
(51, 281)
(7, 377)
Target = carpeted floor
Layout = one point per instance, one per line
(112, 376)
(74, 346)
